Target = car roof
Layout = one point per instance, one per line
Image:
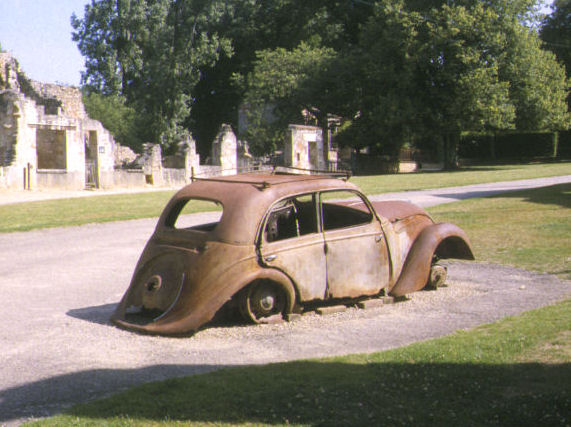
(247, 197)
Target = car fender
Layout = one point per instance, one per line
(444, 240)
(194, 309)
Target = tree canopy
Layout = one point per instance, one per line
(151, 53)
(396, 70)
(556, 33)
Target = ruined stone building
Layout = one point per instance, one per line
(48, 141)
(46, 138)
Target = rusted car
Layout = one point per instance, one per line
(273, 244)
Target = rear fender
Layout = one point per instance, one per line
(187, 316)
(443, 240)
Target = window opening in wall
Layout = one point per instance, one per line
(51, 149)
(313, 155)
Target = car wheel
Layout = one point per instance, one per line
(438, 274)
(263, 302)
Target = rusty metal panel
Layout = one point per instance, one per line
(301, 258)
(356, 261)
(416, 269)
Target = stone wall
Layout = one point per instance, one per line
(48, 141)
(70, 97)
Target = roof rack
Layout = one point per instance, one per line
(273, 170)
(343, 174)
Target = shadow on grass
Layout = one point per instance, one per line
(559, 194)
(313, 393)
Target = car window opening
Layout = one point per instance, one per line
(290, 218)
(346, 213)
(195, 215)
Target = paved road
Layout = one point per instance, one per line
(426, 198)
(59, 287)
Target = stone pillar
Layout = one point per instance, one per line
(224, 151)
(187, 148)
(152, 166)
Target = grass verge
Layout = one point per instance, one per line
(81, 210)
(491, 375)
(85, 210)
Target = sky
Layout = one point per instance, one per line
(38, 34)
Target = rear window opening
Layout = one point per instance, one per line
(195, 214)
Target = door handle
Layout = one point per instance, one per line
(378, 238)
(270, 258)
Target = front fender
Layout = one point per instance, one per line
(444, 240)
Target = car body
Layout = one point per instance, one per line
(275, 244)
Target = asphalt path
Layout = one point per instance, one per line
(59, 287)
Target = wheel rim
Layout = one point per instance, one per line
(262, 301)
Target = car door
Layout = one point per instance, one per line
(355, 246)
(291, 242)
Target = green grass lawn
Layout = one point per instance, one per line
(513, 372)
(81, 210)
(85, 210)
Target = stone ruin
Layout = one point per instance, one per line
(48, 141)
(303, 148)
(46, 138)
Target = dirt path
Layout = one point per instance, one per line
(59, 287)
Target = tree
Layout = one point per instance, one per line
(121, 120)
(396, 70)
(255, 26)
(447, 68)
(166, 57)
(415, 74)
(384, 99)
(460, 56)
(538, 86)
(275, 94)
(556, 32)
(150, 52)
